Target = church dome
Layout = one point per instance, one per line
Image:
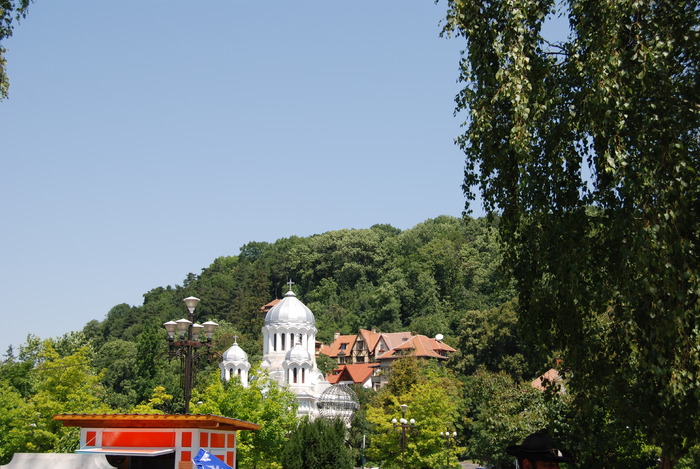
(235, 354)
(290, 310)
(298, 354)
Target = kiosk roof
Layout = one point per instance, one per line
(205, 421)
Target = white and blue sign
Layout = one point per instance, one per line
(206, 460)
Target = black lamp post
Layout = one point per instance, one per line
(402, 425)
(184, 342)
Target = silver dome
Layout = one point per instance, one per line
(235, 354)
(338, 401)
(298, 354)
(290, 310)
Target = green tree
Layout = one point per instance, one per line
(318, 444)
(588, 147)
(60, 384)
(10, 11)
(17, 424)
(66, 384)
(434, 400)
(116, 360)
(18, 374)
(490, 339)
(502, 412)
(155, 404)
(325, 363)
(149, 350)
(263, 402)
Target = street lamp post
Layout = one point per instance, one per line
(402, 425)
(449, 438)
(184, 342)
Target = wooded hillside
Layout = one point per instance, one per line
(423, 279)
(441, 276)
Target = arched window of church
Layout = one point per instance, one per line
(291, 340)
(230, 373)
(283, 337)
(295, 375)
(303, 375)
(239, 372)
(274, 342)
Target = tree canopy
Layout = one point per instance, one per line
(433, 398)
(425, 279)
(587, 146)
(320, 444)
(263, 402)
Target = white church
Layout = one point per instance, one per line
(289, 338)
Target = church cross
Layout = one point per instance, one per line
(290, 283)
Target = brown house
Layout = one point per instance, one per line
(379, 350)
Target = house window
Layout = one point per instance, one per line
(343, 346)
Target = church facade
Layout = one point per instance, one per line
(289, 338)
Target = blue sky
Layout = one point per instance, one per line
(142, 140)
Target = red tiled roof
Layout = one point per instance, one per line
(439, 345)
(358, 373)
(418, 346)
(371, 338)
(323, 348)
(394, 339)
(335, 347)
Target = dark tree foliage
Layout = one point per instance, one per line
(588, 147)
(318, 444)
(491, 339)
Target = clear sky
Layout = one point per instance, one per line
(143, 139)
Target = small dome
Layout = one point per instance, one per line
(338, 401)
(290, 310)
(235, 354)
(298, 354)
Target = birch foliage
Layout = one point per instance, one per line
(587, 145)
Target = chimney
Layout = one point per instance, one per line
(335, 336)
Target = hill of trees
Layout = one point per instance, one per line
(424, 279)
(441, 276)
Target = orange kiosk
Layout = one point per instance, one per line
(157, 441)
